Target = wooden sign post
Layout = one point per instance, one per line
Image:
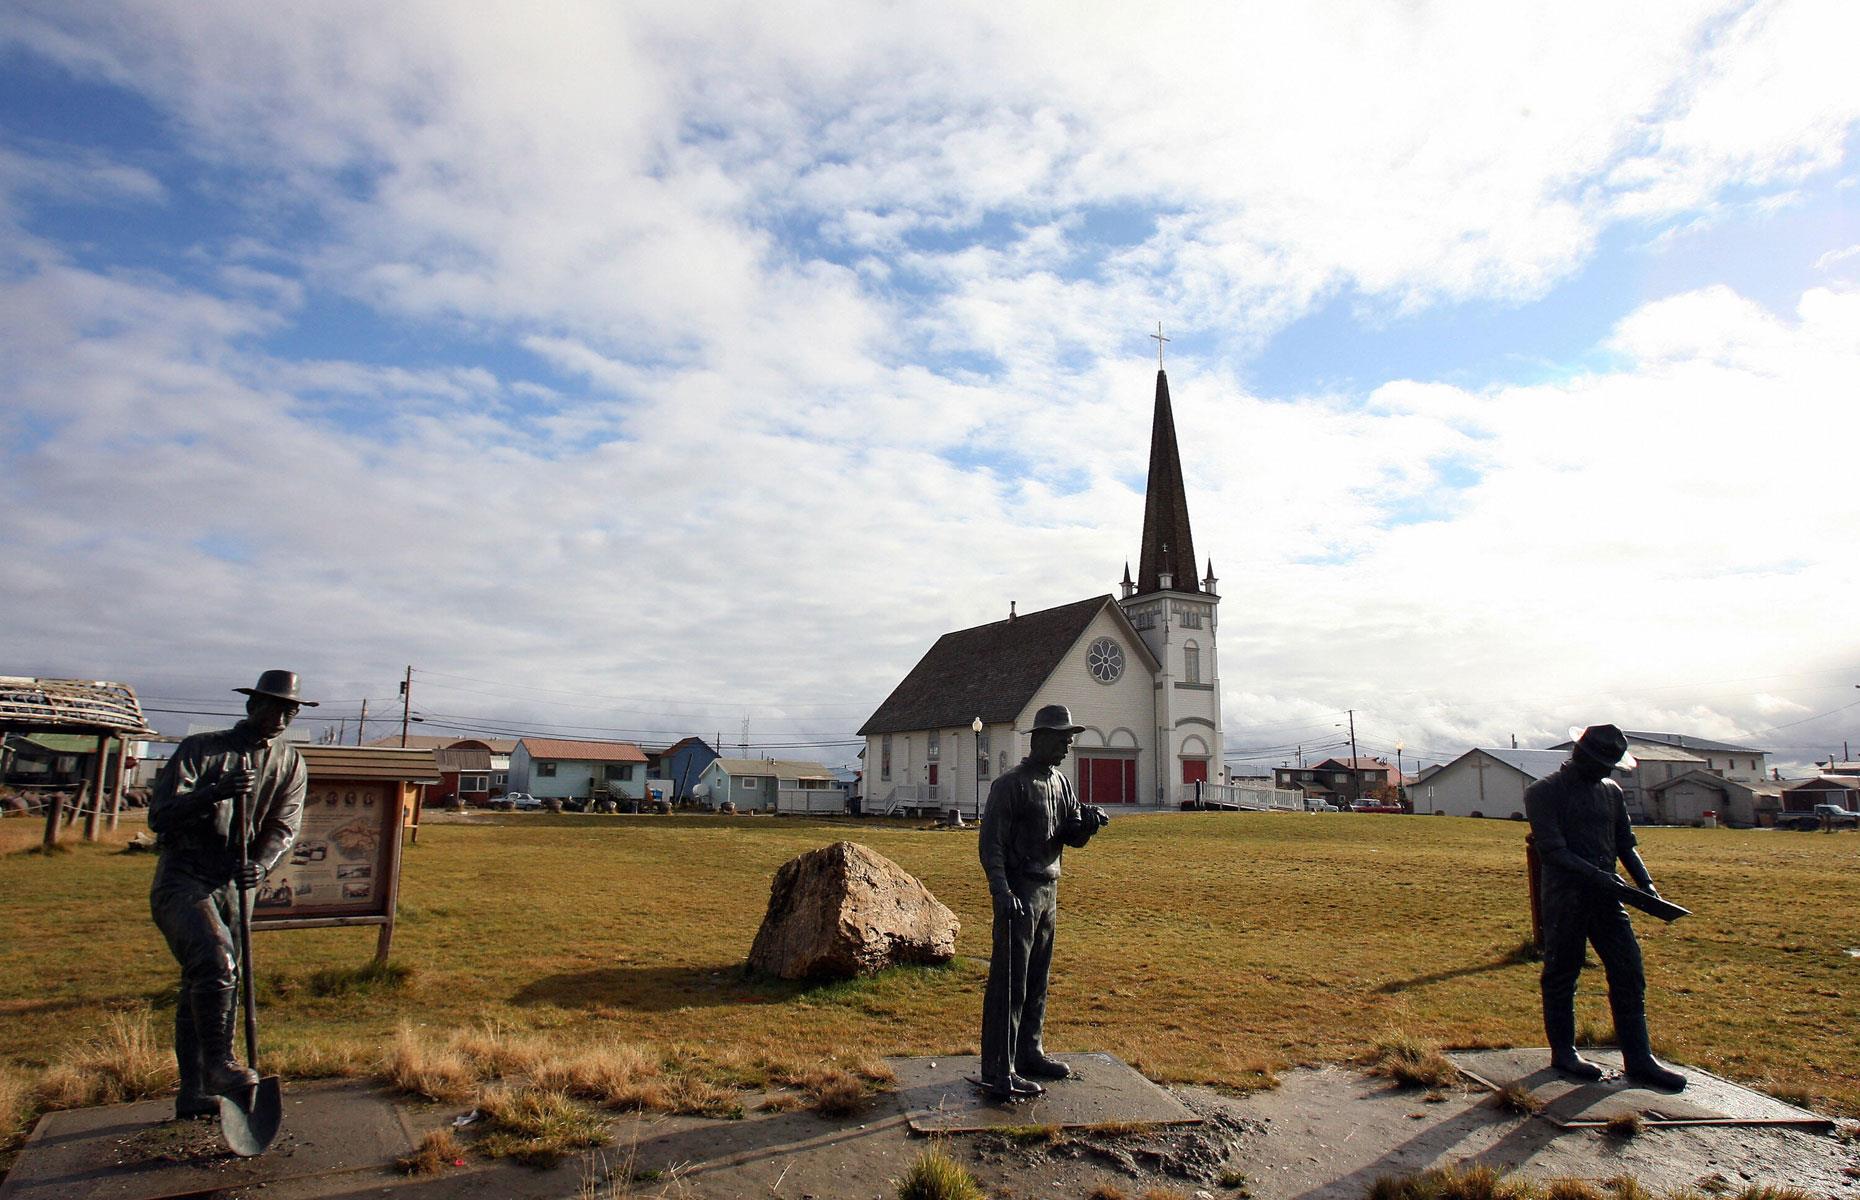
(345, 866)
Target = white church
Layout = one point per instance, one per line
(1140, 672)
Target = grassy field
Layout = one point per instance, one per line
(1210, 948)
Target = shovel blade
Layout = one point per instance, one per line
(250, 1120)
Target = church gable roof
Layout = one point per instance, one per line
(989, 671)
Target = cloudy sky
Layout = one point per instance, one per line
(656, 368)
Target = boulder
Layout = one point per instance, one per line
(844, 910)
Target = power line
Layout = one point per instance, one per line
(733, 706)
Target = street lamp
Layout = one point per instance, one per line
(1400, 791)
(976, 725)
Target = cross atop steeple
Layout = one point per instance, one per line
(1160, 339)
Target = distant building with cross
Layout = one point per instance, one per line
(1139, 671)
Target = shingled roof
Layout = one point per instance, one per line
(1168, 546)
(989, 671)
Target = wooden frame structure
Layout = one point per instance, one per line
(107, 711)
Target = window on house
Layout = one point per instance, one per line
(981, 755)
(884, 758)
(546, 770)
(473, 783)
(1191, 662)
(936, 745)
(1004, 765)
(749, 783)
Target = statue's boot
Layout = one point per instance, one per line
(1637, 1053)
(1035, 1064)
(1024, 1087)
(215, 1018)
(192, 1100)
(1560, 1029)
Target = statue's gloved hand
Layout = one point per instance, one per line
(236, 782)
(1009, 903)
(1647, 887)
(1097, 815)
(250, 875)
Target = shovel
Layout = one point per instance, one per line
(250, 1120)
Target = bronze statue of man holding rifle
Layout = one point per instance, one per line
(226, 807)
(1580, 829)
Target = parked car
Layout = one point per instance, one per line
(522, 801)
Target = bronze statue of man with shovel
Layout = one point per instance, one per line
(226, 807)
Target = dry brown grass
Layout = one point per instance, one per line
(1624, 1125)
(1516, 1098)
(418, 1067)
(1159, 922)
(16, 1105)
(833, 1090)
(1107, 1191)
(438, 1151)
(934, 1175)
(1162, 1193)
(321, 1060)
(536, 1126)
(1413, 1063)
(121, 1062)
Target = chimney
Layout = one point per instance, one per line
(1514, 741)
(1012, 615)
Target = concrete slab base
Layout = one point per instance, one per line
(1706, 1100)
(137, 1152)
(936, 1096)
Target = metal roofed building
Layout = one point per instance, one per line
(773, 785)
(564, 769)
(1485, 782)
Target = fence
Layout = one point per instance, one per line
(1241, 796)
(799, 800)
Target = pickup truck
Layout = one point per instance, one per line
(1830, 815)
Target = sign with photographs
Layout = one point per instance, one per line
(344, 860)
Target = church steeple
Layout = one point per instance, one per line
(1168, 559)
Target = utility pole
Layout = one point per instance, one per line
(1356, 779)
(406, 704)
(361, 721)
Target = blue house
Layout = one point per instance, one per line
(681, 764)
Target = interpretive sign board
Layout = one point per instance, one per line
(344, 868)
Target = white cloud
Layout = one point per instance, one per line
(750, 248)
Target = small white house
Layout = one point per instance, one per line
(1485, 783)
(555, 768)
(772, 785)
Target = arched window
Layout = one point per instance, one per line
(1191, 662)
(1004, 765)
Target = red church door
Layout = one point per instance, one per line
(1194, 770)
(1108, 780)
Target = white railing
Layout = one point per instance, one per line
(803, 800)
(912, 795)
(1255, 799)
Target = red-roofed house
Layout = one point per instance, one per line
(571, 770)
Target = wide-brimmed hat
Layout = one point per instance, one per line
(1057, 717)
(279, 685)
(1605, 744)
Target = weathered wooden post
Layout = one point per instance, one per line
(93, 815)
